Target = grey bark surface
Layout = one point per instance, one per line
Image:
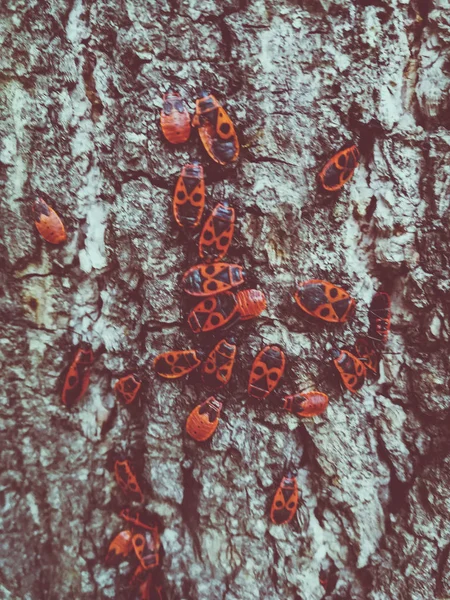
(80, 90)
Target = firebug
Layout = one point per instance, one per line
(266, 372)
(218, 366)
(204, 419)
(78, 375)
(380, 317)
(305, 404)
(340, 168)
(127, 480)
(324, 300)
(189, 196)
(48, 223)
(208, 280)
(175, 119)
(176, 363)
(350, 368)
(119, 548)
(127, 388)
(216, 130)
(226, 309)
(285, 502)
(217, 233)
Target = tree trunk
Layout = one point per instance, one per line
(81, 91)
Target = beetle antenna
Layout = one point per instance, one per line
(372, 338)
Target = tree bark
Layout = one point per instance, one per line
(80, 89)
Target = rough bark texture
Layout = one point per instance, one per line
(79, 98)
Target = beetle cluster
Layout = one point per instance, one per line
(215, 282)
(215, 127)
(324, 300)
(140, 542)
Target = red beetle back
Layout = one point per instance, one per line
(175, 120)
(250, 303)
